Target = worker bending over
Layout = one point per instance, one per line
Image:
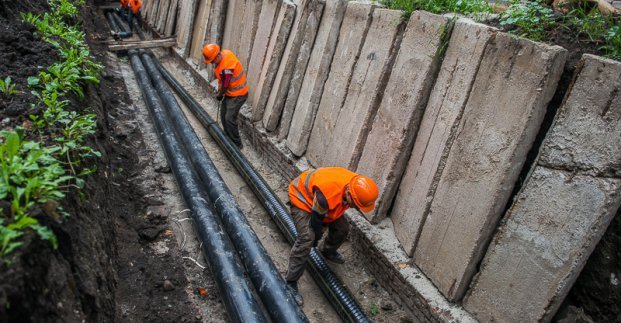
(318, 199)
(134, 7)
(232, 87)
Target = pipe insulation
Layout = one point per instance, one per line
(338, 295)
(112, 23)
(226, 269)
(263, 273)
(123, 32)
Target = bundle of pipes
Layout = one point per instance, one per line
(234, 289)
(344, 303)
(117, 25)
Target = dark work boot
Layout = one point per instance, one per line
(295, 293)
(335, 257)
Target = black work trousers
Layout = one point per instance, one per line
(337, 233)
(229, 110)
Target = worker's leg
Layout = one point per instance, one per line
(302, 246)
(337, 233)
(231, 106)
(130, 17)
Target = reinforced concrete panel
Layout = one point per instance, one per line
(169, 29)
(304, 27)
(564, 208)
(267, 17)
(307, 84)
(146, 11)
(185, 21)
(275, 50)
(444, 109)
(352, 123)
(227, 36)
(351, 39)
(238, 25)
(200, 29)
(153, 11)
(163, 14)
(249, 29)
(215, 24)
(507, 103)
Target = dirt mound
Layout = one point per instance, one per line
(103, 269)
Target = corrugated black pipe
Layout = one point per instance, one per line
(344, 303)
(234, 289)
(123, 32)
(263, 273)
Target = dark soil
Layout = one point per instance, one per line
(103, 269)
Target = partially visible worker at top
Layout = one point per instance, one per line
(318, 199)
(125, 9)
(232, 87)
(134, 7)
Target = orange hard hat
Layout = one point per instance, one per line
(210, 51)
(364, 192)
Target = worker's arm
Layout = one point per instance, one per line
(319, 212)
(225, 76)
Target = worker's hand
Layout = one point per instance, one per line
(219, 97)
(316, 223)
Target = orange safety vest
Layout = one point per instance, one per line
(136, 4)
(237, 84)
(124, 4)
(331, 181)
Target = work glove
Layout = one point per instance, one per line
(316, 223)
(220, 97)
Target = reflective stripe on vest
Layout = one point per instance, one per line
(237, 84)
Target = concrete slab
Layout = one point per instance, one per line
(162, 15)
(368, 84)
(249, 30)
(185, 21)
(146, 11)
(267, 18)
(169, 29)
(563, 209)
(153, 12)
(200, 29)
(507, 103)
(435, 135)
(290, 57)
(227, 36)
(215, 24)
(275, 50)
(300, 109)
(351, 39)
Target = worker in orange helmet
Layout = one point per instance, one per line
(125, 12)
(318, 199)
(134, 7)
(232, 87)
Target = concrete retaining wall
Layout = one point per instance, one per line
(185, 22)
(278, 41)
(351, 38)
(393, 128)
(295, 56)
(162, 15)
(200, 29)
(169, 28)
(435, 136)
(267, 17)
(250, 22)
(299, 110)
(507, 103)
(563, 209)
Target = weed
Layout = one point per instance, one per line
(465, 7)
(7, 88)
(528, 19)
(613, 42)
(374, 309)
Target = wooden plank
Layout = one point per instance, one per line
(164, 42)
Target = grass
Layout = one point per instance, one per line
(534, 20)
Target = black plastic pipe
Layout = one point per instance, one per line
(263, 273)
(123, 32)
(344, 303)
(112, 23)
(234, 289)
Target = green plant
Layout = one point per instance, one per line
(466, 7)
(7, 88)
(528, 19)
(374, 309)
(613, 42)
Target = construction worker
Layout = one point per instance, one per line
(134, 7)
(318, 199)
(232, 87)
(125, 9)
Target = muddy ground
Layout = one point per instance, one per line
(128, 251)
